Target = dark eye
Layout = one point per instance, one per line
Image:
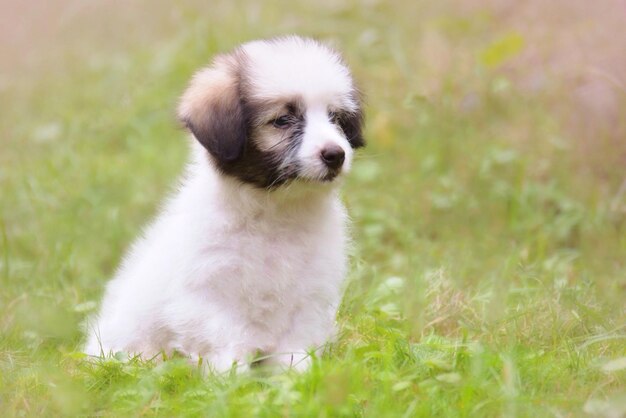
(282, 122)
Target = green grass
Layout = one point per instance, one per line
(488, 269)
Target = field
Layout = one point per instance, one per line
(488, 270)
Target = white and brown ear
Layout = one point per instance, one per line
(211, 109)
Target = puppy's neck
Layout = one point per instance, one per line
(294, 200)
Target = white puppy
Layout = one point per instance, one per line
(247, 258)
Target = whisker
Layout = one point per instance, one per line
(365, 157)
(279, 142)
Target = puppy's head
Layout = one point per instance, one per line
(275, 111)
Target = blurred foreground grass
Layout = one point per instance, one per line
(488, 274)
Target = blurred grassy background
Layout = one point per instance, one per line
(489, 208)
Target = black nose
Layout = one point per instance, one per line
(333, 156)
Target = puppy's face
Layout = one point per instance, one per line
(276, 111)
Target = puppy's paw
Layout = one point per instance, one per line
(223, 363)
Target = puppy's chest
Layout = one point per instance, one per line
(263, 265)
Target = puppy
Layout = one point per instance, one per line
(247, 258)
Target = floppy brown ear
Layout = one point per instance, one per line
(211, 109)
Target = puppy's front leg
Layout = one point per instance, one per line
(310, 332)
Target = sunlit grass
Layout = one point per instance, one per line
(487, 274)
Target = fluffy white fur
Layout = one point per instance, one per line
(229, 270)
